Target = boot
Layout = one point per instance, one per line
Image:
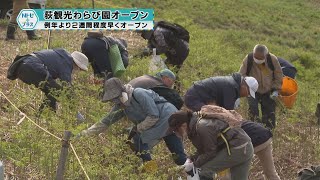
(32, 35)
(11, 29)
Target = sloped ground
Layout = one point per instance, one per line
(296, 139)
(295, 145)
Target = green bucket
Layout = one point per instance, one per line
(116, 61)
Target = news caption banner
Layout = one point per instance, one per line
(99, 19)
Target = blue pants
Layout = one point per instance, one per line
(173, 143)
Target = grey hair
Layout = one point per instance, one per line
(260, 48)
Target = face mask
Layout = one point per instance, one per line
(258, 61)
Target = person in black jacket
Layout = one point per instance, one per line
(287, 68)
(261, 139)
(222, 91)
(42, 68)
(96, 47)
(166, 42)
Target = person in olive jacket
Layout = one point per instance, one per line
(213, 152)
(266, 68)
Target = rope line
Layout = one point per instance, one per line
(74, 152)
(60, 139)
(29, 118)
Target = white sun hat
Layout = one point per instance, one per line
(81, 60)
(252, 84)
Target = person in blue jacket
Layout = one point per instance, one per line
(148, 111)
(42, 68)
(223, 91)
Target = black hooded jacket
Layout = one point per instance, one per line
(222, 90)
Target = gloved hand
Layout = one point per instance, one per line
(77, 137)
(237, 103)
(188, 165)
(274, 94)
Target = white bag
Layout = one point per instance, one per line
(195, 175)
(156, 64)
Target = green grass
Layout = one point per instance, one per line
(222, 33)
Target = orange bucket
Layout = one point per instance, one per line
(289, 91)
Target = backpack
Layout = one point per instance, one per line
(215, 112)
(312, 173)
(178, 30)
(250, 63)
(231, 117)
(171, 96)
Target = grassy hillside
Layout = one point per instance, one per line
(222, 33)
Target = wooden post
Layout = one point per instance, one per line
(1, 171)
(63, 155)
(49, 39)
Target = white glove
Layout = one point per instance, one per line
(274, 94)
(237, 103)
(188, 165)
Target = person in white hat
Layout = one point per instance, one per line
(265, 67)
(223, 91)
(47, 66)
